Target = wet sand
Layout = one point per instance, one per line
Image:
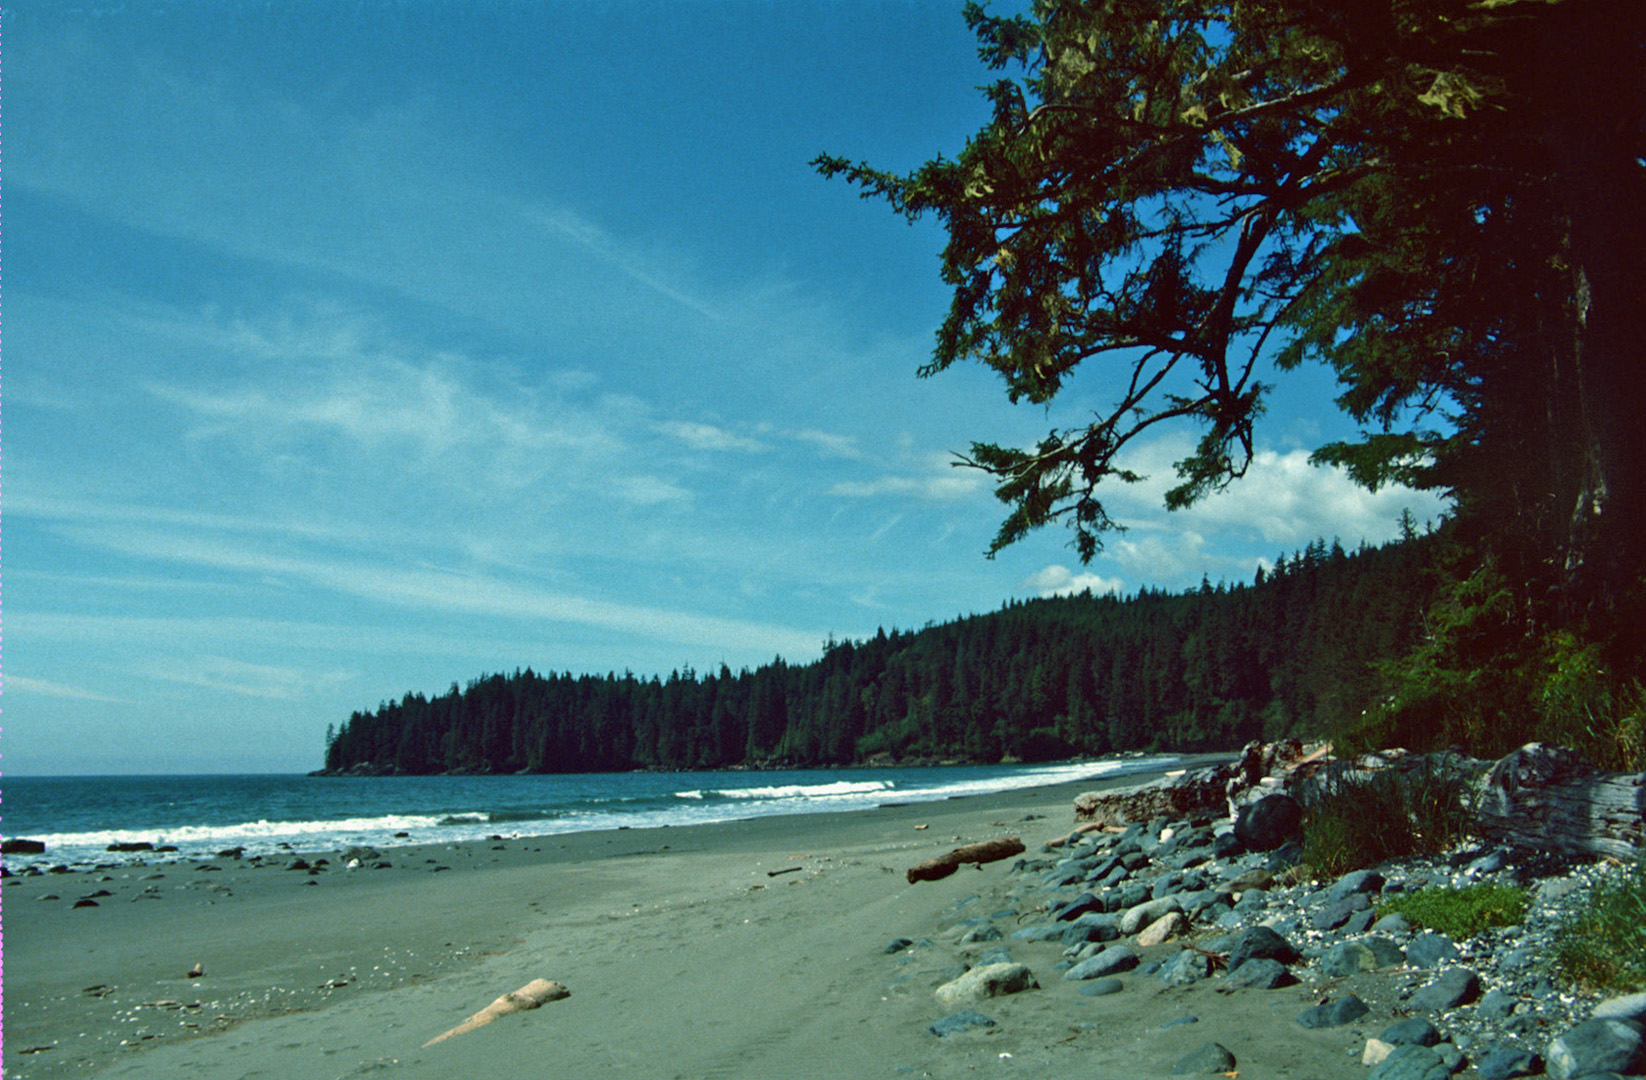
(744, 949)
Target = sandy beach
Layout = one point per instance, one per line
(745, 949)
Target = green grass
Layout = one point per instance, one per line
(1356, 822)
(1605, 948)
(1460, 914)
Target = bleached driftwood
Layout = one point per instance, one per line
(1550, 799)
(530, 996)
(1201, 793)
(986, 851)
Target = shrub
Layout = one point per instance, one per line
(1460, 913)
(1360, 820)
(1605, 947)
(1584, 704)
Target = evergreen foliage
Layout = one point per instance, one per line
(1213, 668)
(1444, 201)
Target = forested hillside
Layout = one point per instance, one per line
(1293, 652)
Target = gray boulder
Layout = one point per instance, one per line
(990, 980)
(1186, 967)
(1431, 950)
(1210, 1059)
(1456, 986)
(1508, 1062)
(1415, 1031)
(1142, 915)
(1411, 1062)
(1627, 1007)
(1353, 883)
(1092, 926)
(979, 934)
(1334, 1014)
(1497, 1004)
(1260, 943)
(1339, 912)
(1259, 974)
(1597, 1046)
(1111, 961)
(1101, 987)
(1269, 822)
(1053, 932)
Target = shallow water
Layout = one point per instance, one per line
(79, 817)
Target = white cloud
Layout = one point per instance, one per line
(700, 436)
(648, 491)
(1282, 500)
(937, 480)
(840, 446)
(1058, 580)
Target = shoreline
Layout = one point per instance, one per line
(429, 812)
(286, 947)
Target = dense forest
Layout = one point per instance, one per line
(1294, 652)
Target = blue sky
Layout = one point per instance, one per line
(360, 348)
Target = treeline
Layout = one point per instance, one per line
(1294, 652)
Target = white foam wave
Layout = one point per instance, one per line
(809, 791)
(182, 835)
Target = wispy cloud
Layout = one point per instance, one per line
(701, 436)
(831, 445)
(934, 478)
(649, 491)
(22, 684)
(433, 590)
(590, 237)
(269, 681)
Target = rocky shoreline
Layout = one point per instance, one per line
(1175, 903)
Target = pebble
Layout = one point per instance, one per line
(964, 1020)
(1280, 932)
(1101, 987)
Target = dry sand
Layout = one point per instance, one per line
(685, 957)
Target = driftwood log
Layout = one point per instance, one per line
(986, 851)
(1546, 798)
(1202, 793)
(1538, 798)
(530, 996)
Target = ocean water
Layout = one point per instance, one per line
(79, 817)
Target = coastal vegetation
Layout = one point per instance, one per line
(1292, 653)
(1174, 205)
(1357, 821)
(1605, 947)
(1459, 913)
